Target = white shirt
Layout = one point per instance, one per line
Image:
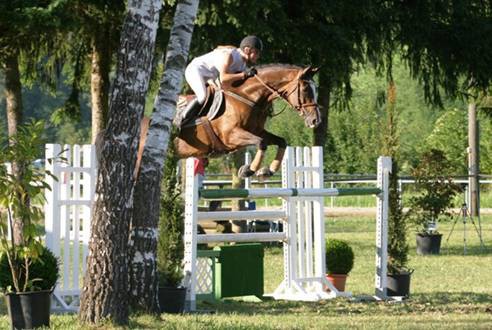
(208, 64)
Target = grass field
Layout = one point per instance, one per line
(449, 291)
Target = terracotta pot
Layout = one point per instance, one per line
(338, 280)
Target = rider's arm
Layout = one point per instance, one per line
(225, 76)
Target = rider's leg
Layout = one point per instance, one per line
(197, 84)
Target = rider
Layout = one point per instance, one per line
(225, 63)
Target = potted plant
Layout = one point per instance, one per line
(339, 262)
(436, 192)
(398, 273)
(170, 250)
(28, 270)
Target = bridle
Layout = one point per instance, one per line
(286, 91)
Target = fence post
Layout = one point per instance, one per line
(384, 169)
(51, 207)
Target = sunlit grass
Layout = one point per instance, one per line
(448, 291)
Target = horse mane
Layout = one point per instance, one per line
(272, 66)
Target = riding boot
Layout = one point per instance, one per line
(183, 116)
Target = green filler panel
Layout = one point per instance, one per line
(239, 271)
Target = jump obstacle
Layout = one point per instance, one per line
(68, 211)
(303, 236)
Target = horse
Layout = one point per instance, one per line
(247, 106)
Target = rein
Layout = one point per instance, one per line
(283, 93)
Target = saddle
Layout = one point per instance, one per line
(212, 108)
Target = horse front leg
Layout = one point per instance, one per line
(269, 139)
(239, 138)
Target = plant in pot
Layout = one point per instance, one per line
(435, 198)
(398, 275)
(28, 270)
(339, 262)
(170, 250)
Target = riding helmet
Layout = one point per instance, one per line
(252, 42)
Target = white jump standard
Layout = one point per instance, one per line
(303, 216)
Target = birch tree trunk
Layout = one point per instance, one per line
(105, 291)
(143, 238)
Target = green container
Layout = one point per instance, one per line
(239, 271)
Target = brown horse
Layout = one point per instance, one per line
(246, 110)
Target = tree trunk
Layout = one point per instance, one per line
(143, 266)
(473, 161)
(100, 68)
(13, 98)
(105, 291)
(320, 132)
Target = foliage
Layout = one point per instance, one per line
(17, 187)
(43, 272)
(397, 227)
(339, 257)
(436, 191)
(397, 224)
(170, 249)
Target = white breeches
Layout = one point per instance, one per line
(196, 82)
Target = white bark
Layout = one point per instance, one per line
(146, 211)
(105, 289)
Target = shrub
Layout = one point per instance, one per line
(436, 192)
(339, 257)
(43, 272)
(170, 249)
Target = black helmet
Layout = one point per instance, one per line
(252, 42)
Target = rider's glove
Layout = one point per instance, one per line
(249, 72)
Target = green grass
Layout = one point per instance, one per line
(449, 291)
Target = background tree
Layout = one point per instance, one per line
(27, 27)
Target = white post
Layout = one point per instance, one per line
(74, 237)
(190, 234)
(319, 223)
(51, 207)
(384, 169)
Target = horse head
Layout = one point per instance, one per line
(301, 93)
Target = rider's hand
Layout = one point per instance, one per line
(249, 72)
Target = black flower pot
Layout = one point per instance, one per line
(172, 300)
(29, 310)
(398, 285)
(428, 244)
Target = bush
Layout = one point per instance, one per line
(436, 192)
(339, 257)
(43, 272)
(170, 248)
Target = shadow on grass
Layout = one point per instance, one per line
(471, 250)
(445, 302)
(452, 298)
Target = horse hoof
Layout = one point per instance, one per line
(245, 172)
(264, 172)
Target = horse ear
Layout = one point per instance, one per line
(309, 72)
